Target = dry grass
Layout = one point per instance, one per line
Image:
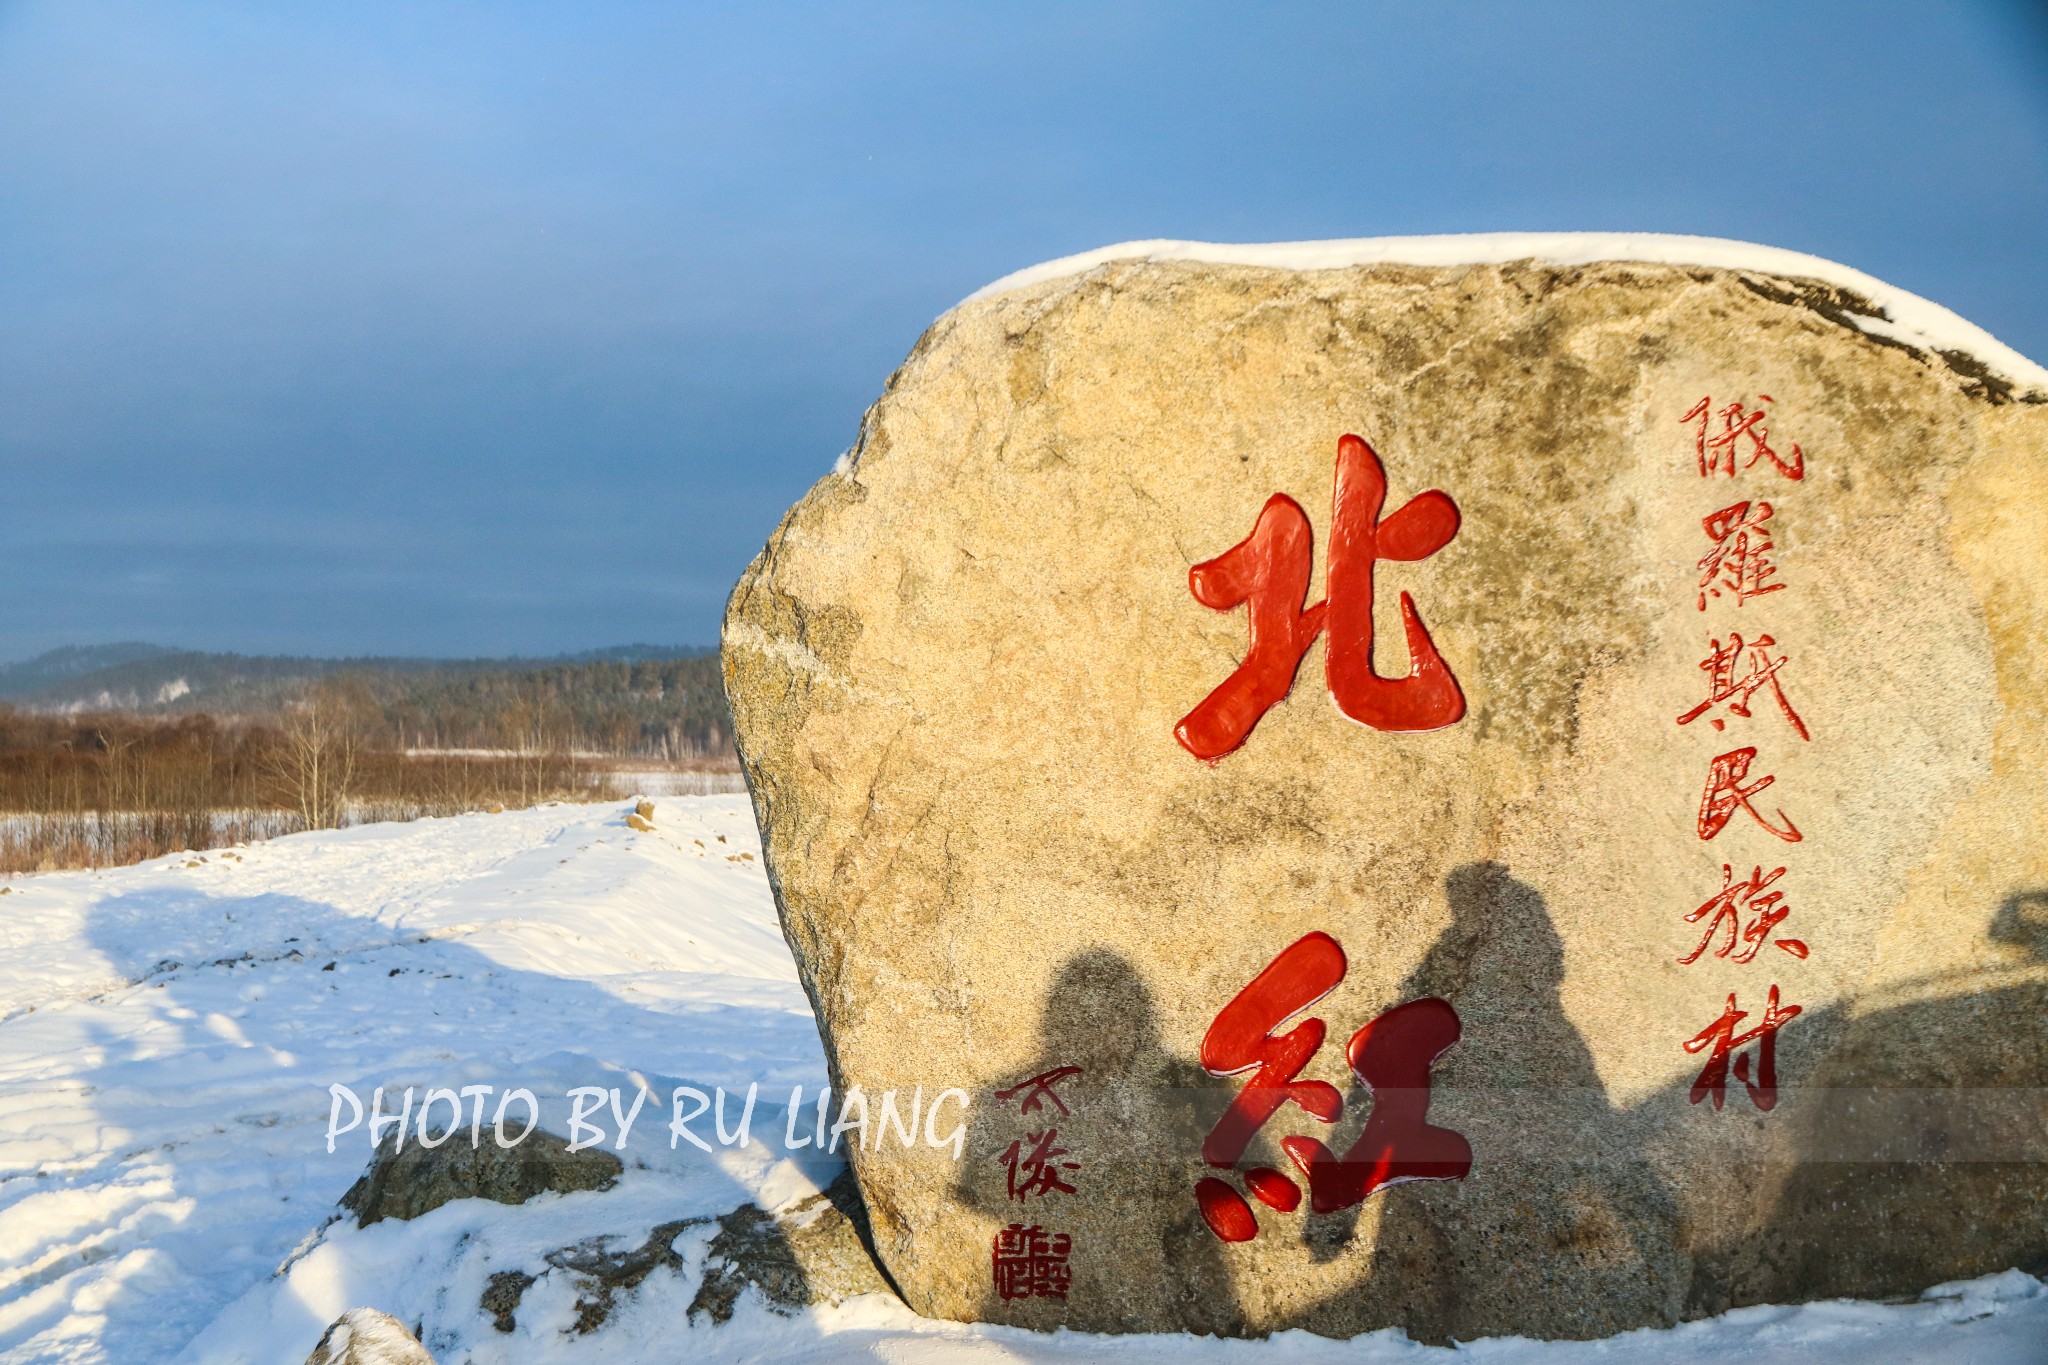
(108, 790)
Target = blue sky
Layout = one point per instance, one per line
(484, 328)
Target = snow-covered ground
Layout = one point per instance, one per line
(169, 1034)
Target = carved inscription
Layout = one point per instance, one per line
(1026, 1261)
(1268, 573)
(1737, 922)
(1392, 1056)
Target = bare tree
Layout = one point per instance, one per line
(313, 766)
(535, 726)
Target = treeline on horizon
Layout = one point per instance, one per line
(83, 788)
(103, 790)
(669, 708)
(313, 770)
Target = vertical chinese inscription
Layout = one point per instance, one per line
(1026, 1261)
(1736, 923)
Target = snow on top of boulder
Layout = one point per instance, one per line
(1903, 317)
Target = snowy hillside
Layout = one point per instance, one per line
(169, 1035)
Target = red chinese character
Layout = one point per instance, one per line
(1038, 1165)
(1724, 686)
(1725, 792)
(1038, 1089)
(1030, 1263)
(1269, 569)
(1741, 558)
(1766, 908)
(1718, 448)
(1721, 1035)
(1243, 1037)
(1392, 1055)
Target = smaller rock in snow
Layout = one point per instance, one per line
(364, 1336)
(406, 1184)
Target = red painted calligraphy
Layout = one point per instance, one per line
(1031, 1263)
(1746, 913)
(1725, 793)
(1724, 686)
(1724, 913)
(1721, 1036)
(1269, 571)
(1273, 1189)
(1740, 561)
(1036, 1090)
(1718, 449)
(1225, 1211)
(1038, 1164)
(1393, 1056)
(1242, 1037)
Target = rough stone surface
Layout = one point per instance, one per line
(814, 1252)
(602, 1273)
(364, 1336)
(956, 672)
(817, 1252)
(501, 1296)
(406, 1184)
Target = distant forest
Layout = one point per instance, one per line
(630, 701)
(113, 754)
(657, 708)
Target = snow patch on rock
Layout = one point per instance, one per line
(1901, 316)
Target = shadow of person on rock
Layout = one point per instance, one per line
(1562, 1228)
(1909, 1147)
(2022, 922)
(1130, 1121)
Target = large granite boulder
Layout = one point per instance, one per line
(1487, 798)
